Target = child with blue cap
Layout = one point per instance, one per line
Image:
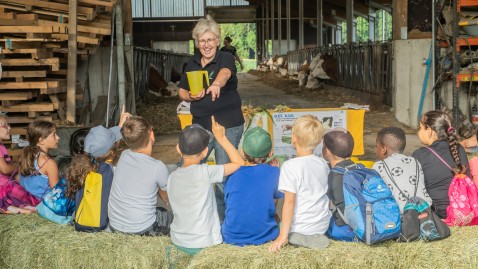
(100, 146)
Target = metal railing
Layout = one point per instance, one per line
(365, 67)
(164, 61)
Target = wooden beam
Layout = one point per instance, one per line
(24, 74)
(400, 19)
(10, 96)
(81, 28)
(33, 29)
(98, 3)
(49, 5)
(31, 85)
(80, 39)
(53, 62)
(29, 107)
(18, 131)
(72, 47)
(19, 120)
(7, 22)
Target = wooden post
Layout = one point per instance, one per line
(350, 21)
(273, 30)
(288, 24)
(320, 23)
(120, 55)
(400, 19)
(301, 24)
(71, 75)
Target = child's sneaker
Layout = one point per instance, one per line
(315, 241)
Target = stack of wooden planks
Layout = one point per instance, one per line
(34, 50)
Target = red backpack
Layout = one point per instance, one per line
(463, 195)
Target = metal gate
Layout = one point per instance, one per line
(365, 67)
(163, 60)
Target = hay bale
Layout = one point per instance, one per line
(31, 242)
(28, 241)
(458, 251)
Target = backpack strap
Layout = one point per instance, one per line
(343, 170)
(441, 159)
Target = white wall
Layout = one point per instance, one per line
(175, 46)
(283, 49)
(408, 77)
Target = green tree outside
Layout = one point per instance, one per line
(383, 28)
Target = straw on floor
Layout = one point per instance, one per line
(31, 242)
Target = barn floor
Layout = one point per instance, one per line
(267, 90)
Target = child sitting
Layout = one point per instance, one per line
(137, 181)
(77, 145)
(305, 214)
(251, 194)
(13, 197)
(337, 148)
(402, 174)
(99, 150)
(441, 159)
(38, 172)
(190, 188)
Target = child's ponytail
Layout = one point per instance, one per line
(27, 159)
(81, 165)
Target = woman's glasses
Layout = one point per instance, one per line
(203, 42)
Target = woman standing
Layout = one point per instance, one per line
(221, 99)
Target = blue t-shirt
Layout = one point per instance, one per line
(249, 195)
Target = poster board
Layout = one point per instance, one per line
(351, 119)
(280, 128)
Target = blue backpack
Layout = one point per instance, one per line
(370, 209)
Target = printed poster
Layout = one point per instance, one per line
(282, 129)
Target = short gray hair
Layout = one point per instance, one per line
(206, 25)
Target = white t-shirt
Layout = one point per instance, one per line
(307, 178)
(133, 197)
(191, 195)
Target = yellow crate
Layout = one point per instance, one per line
(185, 119)
(368, 164)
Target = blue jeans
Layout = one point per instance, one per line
(234, 135)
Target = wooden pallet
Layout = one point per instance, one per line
(33, 34)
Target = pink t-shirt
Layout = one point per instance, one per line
(4, 154)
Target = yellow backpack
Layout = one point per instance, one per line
(91, 211)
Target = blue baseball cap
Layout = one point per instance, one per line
(100, 140)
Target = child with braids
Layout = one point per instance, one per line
(38, 171)
(441, 152)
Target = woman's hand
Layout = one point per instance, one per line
(197, 96)
(214, 90)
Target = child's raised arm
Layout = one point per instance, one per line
(236, 160)
(123, 117)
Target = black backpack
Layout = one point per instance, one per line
(418, 219)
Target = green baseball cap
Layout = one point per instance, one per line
(257, 143)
